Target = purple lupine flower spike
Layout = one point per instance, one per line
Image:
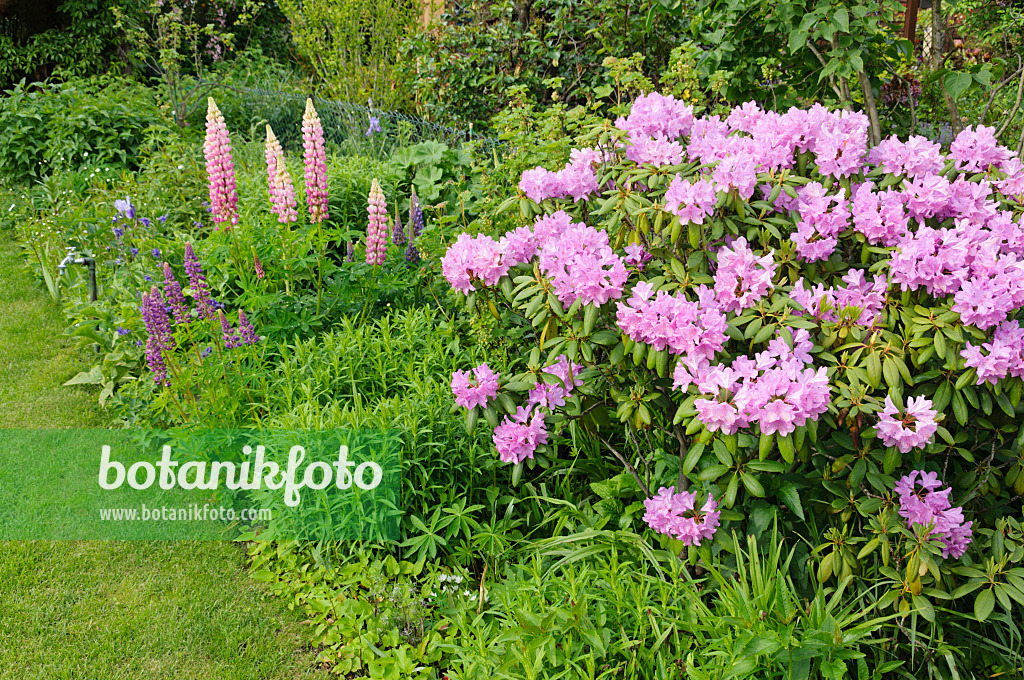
(246, 332)
(415, 216)
(154, 315)
(231, 339)
(398, 233)
(197, 282)
(412, 254)
(175, 298)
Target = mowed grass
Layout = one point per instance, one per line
(117, 610)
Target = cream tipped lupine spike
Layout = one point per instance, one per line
(315, 162)
(220, 168)
(279, 182)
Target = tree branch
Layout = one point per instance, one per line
(626, 464)
(824, 64)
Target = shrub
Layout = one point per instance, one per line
(759, 308)
(97, 121)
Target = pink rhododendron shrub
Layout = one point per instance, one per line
(762, 312)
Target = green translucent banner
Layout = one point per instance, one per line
(194, 485)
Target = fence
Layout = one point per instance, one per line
(354, 129)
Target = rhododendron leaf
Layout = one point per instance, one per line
(752, 485)
(891, 372)
(712, 472)
(661, 367)
(1004, 403)
(959, 408)
(692, 458)
(722, 452)
(785, 448)
(941, 397)
(507, 404)
(939, 341)
(517, 474)
(471, 417)
(874, 373)
(825, 568)
(892, 460)
(617, 353)
(639, 352)
(765, 445)
(984, 603)
(730, 495)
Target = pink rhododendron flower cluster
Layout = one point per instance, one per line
(581, 264)
(576, 258)
(518, 436)
(1013, 183)
(636, 256)
(924, 503)
(739, 172)
(742, 278)
(576, 180)
(827, 304)
(691, 201)
(917, 156)
(693, 329)
(980, 263)
(823, 217)
(551, 396)
(655, 151)
(473, 258)
(220, 169)
(657, 115)
(676, 515)
(1004, 354)
(911, 428)
(776, 390)
(483, 386)
(879, 215)
(975, 149)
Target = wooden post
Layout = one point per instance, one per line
(432, 10)
(910, 21)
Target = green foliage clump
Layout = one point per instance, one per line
(103, 121)
(352, 46)
(554, 49)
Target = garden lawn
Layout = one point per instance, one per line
(113, 610)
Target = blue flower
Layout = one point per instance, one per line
(162, 218)
(374, 126)
(147, 277)
(122, 331)
(145, 222)
(207, 351)
(135, 252)
(125, 207)
(138, 343)
(118, 261)
(118, 233)
(156, 253)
